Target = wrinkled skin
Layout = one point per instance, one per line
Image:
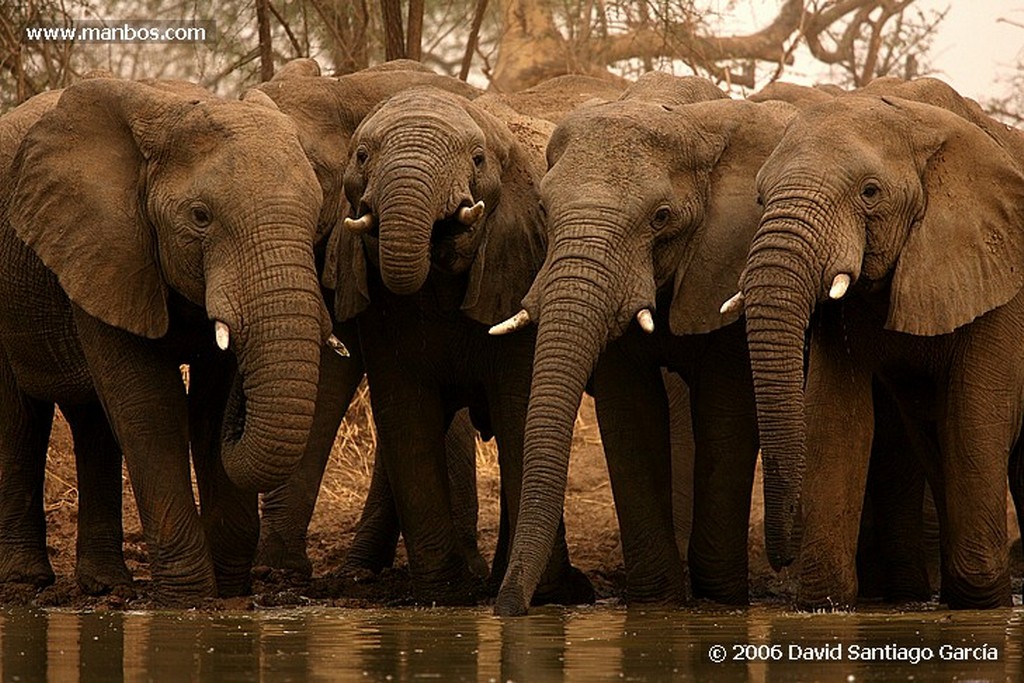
(922, 209)
(110, 324)
(648, 207)
(424, 285)
(327, 111)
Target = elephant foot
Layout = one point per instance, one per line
(275, 552)
(183, 590)
(961, 593)
(102, 575)
(734, 592)
(29, 567)
(571, 588)
(235, 584)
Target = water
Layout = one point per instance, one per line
(595, 644)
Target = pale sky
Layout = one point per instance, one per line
(972, 50)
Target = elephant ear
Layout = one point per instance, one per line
(965, 255)
(78, 199)
(513, 246)
(748, 134)
(345, 273)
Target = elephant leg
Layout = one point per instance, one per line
(144, 398)
(287, 510)
(99, 565)
(373, 548)
(632, 413)
(460, 453)
(228, 514)
(683, 448)
(976, 440)
(499, 564)
(25, 426)
(840, 422)
(410, 432)
(891, 558)
(1016, 472)
(725, 434)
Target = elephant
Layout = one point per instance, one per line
(553, 99)
(443, 239)
(130, 244)
(326, 112)
(650, 210)
(892, 233)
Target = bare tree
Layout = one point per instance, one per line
(864, 37)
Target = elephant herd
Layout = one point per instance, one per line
(835, 276)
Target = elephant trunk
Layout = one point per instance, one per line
(278, 342)
(570, 336)
(406, 218)
(780, 291)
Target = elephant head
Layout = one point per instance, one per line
(901, 200)
(139, 198)
(327, 111)
(437, 183)
(640, 199)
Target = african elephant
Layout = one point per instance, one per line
(892, 232)
(444, 238)
(650, 211)
(326, 112)
(130, 238)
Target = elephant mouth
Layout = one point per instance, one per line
(452, 244)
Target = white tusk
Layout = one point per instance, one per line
(520, 319)
(646, 320)
(733, 305)
(468, 215)
(839, 286)
(222, 334)
(360, 225)
(338, 346)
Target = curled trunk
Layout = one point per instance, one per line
(278, 362)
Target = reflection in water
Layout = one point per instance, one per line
(601, 643)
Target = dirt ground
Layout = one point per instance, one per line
(592, 530)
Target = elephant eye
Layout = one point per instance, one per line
(200, 215)
(870, 191)
(661, 217)
(478, 158)
(362, 155)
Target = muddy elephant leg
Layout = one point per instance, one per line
(373, 548)
(891, 558)
(410, 436)
(632, 412)
(976, 439)
(840, 421)
(725, 433)
(287, 510)
(24, 435)
(377, 532)
(460, 454)
(99, 547)
(144, 399)
(228, 514)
